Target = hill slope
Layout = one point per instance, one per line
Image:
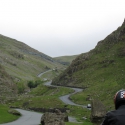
(7, 87)
(22, 61)
(101, 70)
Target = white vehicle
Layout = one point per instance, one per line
(89, 106)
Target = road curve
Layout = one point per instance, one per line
(27, 118)
(65, 98)
(39, 75)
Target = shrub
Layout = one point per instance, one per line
(34, 84)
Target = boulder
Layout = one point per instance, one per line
(98, 111)
(56, 118)
(14, 112)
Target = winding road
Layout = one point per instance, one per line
(39, 75)
(65, 98)
(33, 118)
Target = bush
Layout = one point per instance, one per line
(21, 87)
(34, 84)
(30, 84)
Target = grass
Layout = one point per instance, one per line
(43, 90)
(84, 123)
(43, 96)
(5, 116)
(71, 123)
(102, 82)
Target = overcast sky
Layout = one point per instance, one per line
(60, 27)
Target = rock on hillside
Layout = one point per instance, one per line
(56, 118)
(7, 86)
(101, 70)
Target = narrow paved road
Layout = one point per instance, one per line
(39, 75)
(65, 98)
(28, 118)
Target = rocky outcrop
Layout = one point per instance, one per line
(56, 118)
(14, 112)
(98, 111)
(8, 89)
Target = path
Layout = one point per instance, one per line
(65, 98)
(39, 75)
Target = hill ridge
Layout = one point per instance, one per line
(102, 69)
(21, 63)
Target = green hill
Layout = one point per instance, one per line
(66, 60)
(20, 63)
(101, 71)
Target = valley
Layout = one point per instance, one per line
(24, 71)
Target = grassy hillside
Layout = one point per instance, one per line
(66, 59)
(101, 71)
(22, 61)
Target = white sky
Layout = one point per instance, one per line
(60, 27)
